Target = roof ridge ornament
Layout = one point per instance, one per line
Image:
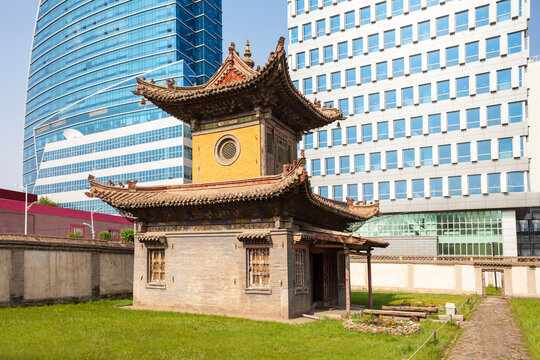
(247, 56)
(232, 48)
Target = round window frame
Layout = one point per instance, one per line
(219, 145)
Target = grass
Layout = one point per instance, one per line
(528, 315)
(492, 291)
(100, 330)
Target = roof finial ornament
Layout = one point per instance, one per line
(247, 56)
(232, 48)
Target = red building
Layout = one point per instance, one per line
(51, 220)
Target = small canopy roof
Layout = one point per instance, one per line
(237, 88)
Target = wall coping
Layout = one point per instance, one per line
(12, 241)
(500, 261)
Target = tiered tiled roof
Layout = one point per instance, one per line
(236, 87)
(287, 194)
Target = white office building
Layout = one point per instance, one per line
(438, 128)
(157, 152)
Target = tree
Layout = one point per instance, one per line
(104, 235)
(43, 200)
(127, 235)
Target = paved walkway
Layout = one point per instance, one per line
(491, 334)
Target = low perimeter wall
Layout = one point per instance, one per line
(39, 269)
(447, 274)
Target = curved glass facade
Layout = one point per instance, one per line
(87, 54)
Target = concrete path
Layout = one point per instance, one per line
(491, 334)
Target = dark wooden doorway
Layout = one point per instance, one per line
(324, 278)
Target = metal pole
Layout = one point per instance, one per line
(92, 222)
(347, 282)
(26, 209)
(370, 290)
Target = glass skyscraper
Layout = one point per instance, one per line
(85, 57)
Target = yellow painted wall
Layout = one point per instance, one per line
(248, 165)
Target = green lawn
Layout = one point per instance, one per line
(528, 314)
(492, 291)
(100, 330)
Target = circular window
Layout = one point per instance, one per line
(227, 149)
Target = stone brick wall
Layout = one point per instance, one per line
(205, 272)
(38, 269)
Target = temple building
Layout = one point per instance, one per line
(248, 236)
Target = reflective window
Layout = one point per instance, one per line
(442, 26)
(494, 183)
(308, 141)
(505, 148)
(408, 158)
(323, 191)
(484, 150)
(401, 189)
(389, 39)
(358, 46)
(328, 54)
(391, 159)
(397, 7)
(374, 102)
(482, 83)
(452, 56)
(407, 96)
(471, 52)
(358, 102)
(415, 64)
(493, 47)
(423, 30)
(454, 185)
(464, 152)
(414, 5)
(443, 90)
(462, 21)
(336, 137)
(300, 9)
(330, 166)
(515, 112)
(380, 11)
(350, 77)
(462, 86)
(344, 106)
(425, 93)
(352, 191)
(349, 20)
(398, 67)
(382, 71)
(321, 83)
(308, 86)
(418, 188)
(515, 42)
(294, 35)
(494, 115)
(367, 133)
(313, 5)
(453, 121)
(314, 57)
(375, 161)
(516, 181)
(321, 27)
(306, 29)
(359, 163)
(336, 80)
(373, 42)
(406, 35)
(390, 99)
(435, 185)
(301, 60)
(434, 60)
(367, 190)
(337, 191)
(334, 24)
(365, 73)
(426, 156)
(351, 135)
(434, 123)
(382, 130)
(445, 154)
(417, 126)
(504, 79)
(482, 16)
(365, 17)
(399, 128)
(473, 118)
(342, 50)
(384, 190)
(475, 184)
(323, 138)
(344, 165)
(316, 167)
(503, 10)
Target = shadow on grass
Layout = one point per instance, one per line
(389, 298)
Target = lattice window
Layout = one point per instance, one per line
(299, 265)
(258, 267)
(156, 265)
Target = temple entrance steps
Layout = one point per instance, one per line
(333, 312)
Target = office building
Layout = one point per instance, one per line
(85, 57)
(438, 129)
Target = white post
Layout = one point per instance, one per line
(26, 209)
(92, 226)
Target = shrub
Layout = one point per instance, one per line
(74, 235)
(127, 235)
(104, 235)
(43, 200)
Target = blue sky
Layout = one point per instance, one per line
(260, 21)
